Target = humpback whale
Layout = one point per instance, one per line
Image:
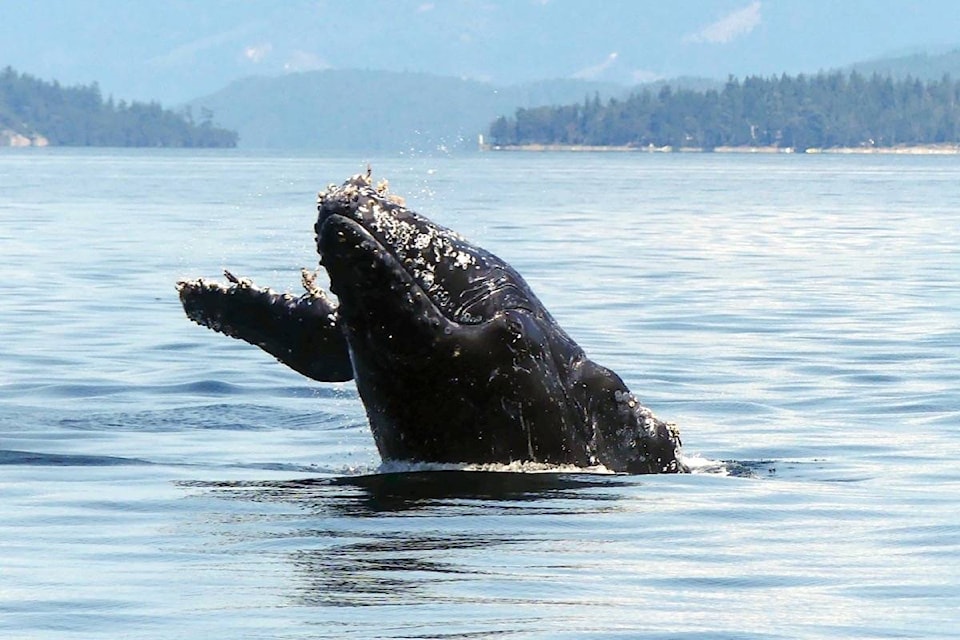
(455, 359)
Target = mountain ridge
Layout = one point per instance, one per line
(919, 65)
(410, 111)
(375, 110)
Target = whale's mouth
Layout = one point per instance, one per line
(351, 252)
(361, 229)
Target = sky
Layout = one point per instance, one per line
(177, 50)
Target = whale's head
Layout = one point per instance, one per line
(387, 263)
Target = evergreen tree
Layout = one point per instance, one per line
(78, 116)
(823, 111)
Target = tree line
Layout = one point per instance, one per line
(826, 110)
(79, 116)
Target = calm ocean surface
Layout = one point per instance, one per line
(797, 316)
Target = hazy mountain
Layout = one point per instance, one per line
(395, 111)
(378, 110)
(924, 66)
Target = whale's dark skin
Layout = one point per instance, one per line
(454, 357)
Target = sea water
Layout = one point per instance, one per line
(797, 316)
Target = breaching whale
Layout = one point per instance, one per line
(454, 357)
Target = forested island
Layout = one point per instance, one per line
(37, 113)
(787, 113)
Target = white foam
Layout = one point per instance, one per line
(698, 464)
(524, 466)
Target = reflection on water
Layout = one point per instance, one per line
(395, 538)
(387, 493)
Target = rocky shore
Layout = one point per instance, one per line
(11, 138)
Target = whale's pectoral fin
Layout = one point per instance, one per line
(631, 437)
(302, 333)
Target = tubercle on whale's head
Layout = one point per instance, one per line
(362, 227)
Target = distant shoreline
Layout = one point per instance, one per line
(910, 150)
